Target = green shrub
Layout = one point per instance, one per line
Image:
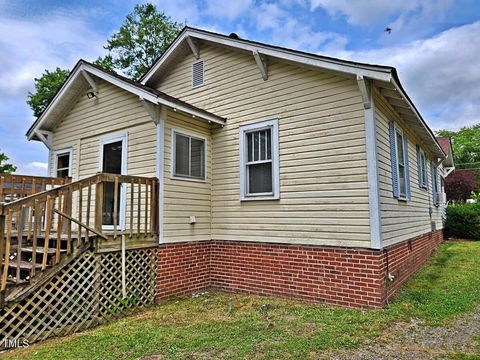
(463, 221)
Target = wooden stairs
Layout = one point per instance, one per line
(40, 232)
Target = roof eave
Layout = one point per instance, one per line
(155, 99)
(377, 72)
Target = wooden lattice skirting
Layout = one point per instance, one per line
(87, 292)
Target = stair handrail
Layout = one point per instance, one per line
(60, 201)
(26, 185)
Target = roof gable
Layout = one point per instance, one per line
(80, 79)
(385, 78)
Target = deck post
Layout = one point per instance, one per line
(124, 276)
(99, 206)
(2, 241)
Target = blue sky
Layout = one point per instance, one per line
(434, 44)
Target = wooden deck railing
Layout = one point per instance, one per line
(14, 187)
(38, 230)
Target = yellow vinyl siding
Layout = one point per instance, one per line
(402, 220)
(114, 112)
(185, 198)
(323, 174)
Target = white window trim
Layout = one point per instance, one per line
(203, 73)
(57, 153)
(123, 137)
(273, 124)
(424, 165)
(435, 190)
(173, 155)
(399, 130)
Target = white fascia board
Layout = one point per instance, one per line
(417, 115)
(150, 97)
(119, 83)
(328, 64)
(86, 69)
(57, 97)
(164, 56)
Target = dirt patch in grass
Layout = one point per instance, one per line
(416, 340)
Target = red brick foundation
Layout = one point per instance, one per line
(340, 276)
(183, 268)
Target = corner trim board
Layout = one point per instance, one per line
(372, 170)
(160, 171)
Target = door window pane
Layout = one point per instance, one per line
(63, 165)
(112, 163)
(112, 157)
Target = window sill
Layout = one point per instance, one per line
(260, 198)
(402, 199)
(204, 181)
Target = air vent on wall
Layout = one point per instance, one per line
(197, 73)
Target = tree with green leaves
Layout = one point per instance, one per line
(46, 87)
(5, 167)
(143, 36)
(466, 146)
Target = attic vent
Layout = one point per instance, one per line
(197, 74)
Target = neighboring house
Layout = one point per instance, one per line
(280, 172)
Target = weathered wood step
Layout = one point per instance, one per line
(53, 236)
(14, 282)
(24, 265)
(41, 250)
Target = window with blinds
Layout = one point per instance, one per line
(188, 156)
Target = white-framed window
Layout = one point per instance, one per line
(434, 172)
(259, 161)
(63, 163)
(399, 162)
(198, 74)
(423, 169)
(188, 156)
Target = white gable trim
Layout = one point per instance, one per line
(340, 66)
(86, 69)
(148, 96)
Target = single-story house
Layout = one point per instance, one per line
(280, 172)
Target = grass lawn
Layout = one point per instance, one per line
(219, 325)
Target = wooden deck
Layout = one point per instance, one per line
(14, 187)
(43, 220)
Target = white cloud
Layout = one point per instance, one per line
(34, 168)
(366, 12)
(179, 10)
(28, 47)
(440, 73)
(227, 9)
(289, 32)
